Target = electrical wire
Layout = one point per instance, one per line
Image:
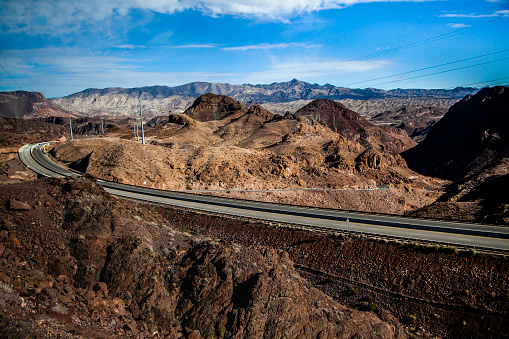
(432, 39)
(426, 68)
(480, 82)
(11, 77)
(441, 72)
(20, 67)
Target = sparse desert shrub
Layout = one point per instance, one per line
(221, 331)
(330, 280)
(189, 187)
(371, 307)
(354, 291)
(410, 319)
(466, 292)
(472, 251)
(5, 287)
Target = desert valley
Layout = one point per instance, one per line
(78, 262)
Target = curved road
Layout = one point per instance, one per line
(473, 235)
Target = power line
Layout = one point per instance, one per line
(425, 68)
(11, 77)
(480, 82)
(441, 72)
(19, 66)
(432, 39)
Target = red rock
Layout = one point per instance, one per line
(194, 335)
(15, 243)
(61, 246)
(15, 205)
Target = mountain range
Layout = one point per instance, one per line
(159, 100)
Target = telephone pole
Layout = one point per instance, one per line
(215, 111)
(141, 120)
(70, 123)
(102, 125)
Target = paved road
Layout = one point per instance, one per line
(426, 230)
(34, 157)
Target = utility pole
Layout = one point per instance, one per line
(102, 125)
(142, 133)
(215, 110)
(70, 123)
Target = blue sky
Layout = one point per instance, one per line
(60, 47)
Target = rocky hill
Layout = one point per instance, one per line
(159, 100)
(348, 123)
(28, 105)
(77, 262)
(472, 135)
(214, 107)
(253, 149)
(470, 146)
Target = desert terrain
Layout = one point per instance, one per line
(80, 263)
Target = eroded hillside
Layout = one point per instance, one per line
(253, 149)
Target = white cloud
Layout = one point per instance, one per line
(196, 46)
(504, 13)
(130, 46)
(54, 17)
(266, 46)
(458, 25)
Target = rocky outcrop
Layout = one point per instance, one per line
(333, 115)
(214, 107)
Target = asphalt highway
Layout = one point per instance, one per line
(473, 235)
(34, 158)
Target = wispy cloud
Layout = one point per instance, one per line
(458, 25)
(55, 17)
(195, 46)
(266, 46)
(504, 13)
(130, 46)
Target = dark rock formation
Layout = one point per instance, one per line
(214, 107)
(472, 135)
(333, 115)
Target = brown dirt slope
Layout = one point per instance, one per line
(78, 263)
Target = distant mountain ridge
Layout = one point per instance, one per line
(159, 100)
(274, 92)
